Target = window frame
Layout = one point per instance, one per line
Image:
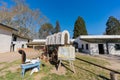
(117, 46)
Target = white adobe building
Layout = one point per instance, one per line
(19, 42)
(5, 37)
(10, 42)
(99, 44)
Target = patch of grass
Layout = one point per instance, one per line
(15, 76)
(2, 63)
(55, 77)
(45, 68)
(84, 71)
(92, 59)
(7, 65)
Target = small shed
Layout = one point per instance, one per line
(99, 44)
(37, 44)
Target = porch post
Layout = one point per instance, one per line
(107, 48)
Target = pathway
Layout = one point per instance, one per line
(12, 56)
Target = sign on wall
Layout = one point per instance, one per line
(66, 53)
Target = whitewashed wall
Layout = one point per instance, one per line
(105, 48)
(84, 46)
(94, 49)
(5, 40)
(111, 47)
(20, 42)
(80, 43)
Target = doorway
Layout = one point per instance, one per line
(101, 48)
(66, 39)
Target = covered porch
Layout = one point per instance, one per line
(102, 44)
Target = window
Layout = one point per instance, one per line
(22, 45)
(86, 46)
(117, 46)
(82, 46)
(14, 38)
(28, 41)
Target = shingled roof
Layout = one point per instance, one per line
(3, 25)
(100, 38)
(20, 36)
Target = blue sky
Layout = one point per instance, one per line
(94, 12)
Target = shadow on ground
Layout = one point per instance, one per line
(101, 76)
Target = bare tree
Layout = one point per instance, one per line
(27, 18)
(22, 17)
(45, 30)
(5, 14)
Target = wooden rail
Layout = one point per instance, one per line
(112, 72)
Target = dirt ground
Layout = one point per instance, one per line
(114, 61)
(12, 56)
(61, 70)
(9, 57)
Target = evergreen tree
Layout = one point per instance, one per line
(57, 27)
(79, 28)
(113, 26)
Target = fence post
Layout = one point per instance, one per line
(113, 76)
